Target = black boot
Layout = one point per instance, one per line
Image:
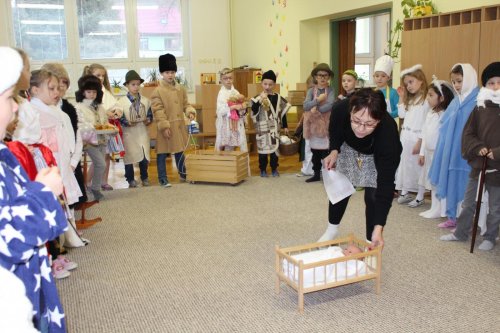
(314, 178)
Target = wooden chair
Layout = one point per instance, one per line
(83, 223)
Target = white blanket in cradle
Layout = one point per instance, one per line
(316, 276)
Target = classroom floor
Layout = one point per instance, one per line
(116, 178)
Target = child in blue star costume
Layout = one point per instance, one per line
(30, 214)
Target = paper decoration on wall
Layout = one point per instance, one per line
(279, 42)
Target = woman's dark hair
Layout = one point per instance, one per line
(372, 100)
(447, 96)
(89, 82)
(457, 70)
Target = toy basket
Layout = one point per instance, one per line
(289, 149)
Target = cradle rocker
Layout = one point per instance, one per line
(316, 275)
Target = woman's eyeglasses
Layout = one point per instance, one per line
(356, 123)
(323, 75)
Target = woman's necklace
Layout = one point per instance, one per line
(359, 161)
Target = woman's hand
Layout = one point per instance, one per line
(330, 161)
(377, 238)
(314, 109)
(51, 178)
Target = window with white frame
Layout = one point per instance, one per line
(118, 34)
(40, 29)
(159, 25)
(371, 40)
(102, 29)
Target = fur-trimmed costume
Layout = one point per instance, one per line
(268, 118)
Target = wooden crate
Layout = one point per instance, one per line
(217, 167)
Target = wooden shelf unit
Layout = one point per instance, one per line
(440, 41)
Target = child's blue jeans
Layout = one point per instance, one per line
(162, 167)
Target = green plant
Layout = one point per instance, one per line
(413, 8)
(116, 83)
(394, 42)
(410, 8)
(180, 78)
(154, 75)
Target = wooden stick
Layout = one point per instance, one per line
(482, 177)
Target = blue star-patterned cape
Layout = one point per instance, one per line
(30, 215)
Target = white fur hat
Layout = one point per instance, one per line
(410, 70)
(11, 65)
(384, 64)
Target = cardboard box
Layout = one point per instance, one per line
(217, 167)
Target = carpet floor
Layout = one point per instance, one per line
(200, 258)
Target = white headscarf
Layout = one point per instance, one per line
(469, 82)
(11, 65)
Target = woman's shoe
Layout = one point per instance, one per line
(315, 178)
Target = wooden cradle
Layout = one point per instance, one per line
(372, 260)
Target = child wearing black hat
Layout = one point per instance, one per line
(170, 106)
(136, 116)
(481, 138)
(269, 115)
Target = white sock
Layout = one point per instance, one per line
(331, 232)
(420, 193)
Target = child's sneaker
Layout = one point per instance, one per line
(106, 187)
(449, 223)
(165, 183)
(415, 203)
(58, 271)
(404, 199)
(145, 182)
(486, 245)
(132, 184)
(66, 263)
(449, 238)
(275, 173)
(263, 173)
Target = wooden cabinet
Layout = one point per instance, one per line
(440, 41)
(243, 77)
(490, 26)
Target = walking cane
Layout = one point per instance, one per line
(478, 203)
